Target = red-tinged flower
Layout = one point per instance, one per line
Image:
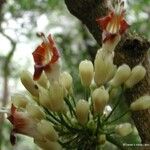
(45, 56)
(22, 124)
(114, 23)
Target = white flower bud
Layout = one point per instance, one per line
(35, 111)
(100, 97)
(123, 129)
(141, 103)
(110, 45)
(122, 74)
(28, 82)
(64, 109)
(66, 80)
(43, 81)
(54, 73)
(19, 100)
(86, 72)
(56, 96)
(102, 139)
(82, 111)
(47, 130)
(104, 67)
(137, 74)
(44, 98)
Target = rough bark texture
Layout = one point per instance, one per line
(131, 50)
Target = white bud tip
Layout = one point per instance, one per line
(82, 111)
(137, 74)
(86, 71)
(123, 129)
(141, 103)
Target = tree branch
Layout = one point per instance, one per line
(131, 50)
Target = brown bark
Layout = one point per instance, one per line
(131, 50)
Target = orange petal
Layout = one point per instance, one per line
(108, 36)
(123, 26)
(38, 69)
(39, 55)
(103, 22)
(55, 51)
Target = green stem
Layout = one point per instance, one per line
(51, 120)
(117, 103)
(73, 100)
(49, 113)
(68, 119)
(98, 125)
(115, 142)
(110, 122)
(87, 93)
(71, 109)
(73, 130)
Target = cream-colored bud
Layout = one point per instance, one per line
(54, 74)
(122, 74)
(47, 130)
(19, 100)
(137, 74)
(66, 80)
(135, 131)
(102, 139)
(44, 98)
(86, 72)
(64, 109)
(35, 111)
(82, 111)
(141, 103)
(123, 129)
(43, 81)
(110, 45)
(100, 97)
(28, 82)
(104, 67)
(47, 144)
(56, 96)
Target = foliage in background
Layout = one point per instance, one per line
(139, 16)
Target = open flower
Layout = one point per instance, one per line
(114, 23)
(22, 124)
(45, 56)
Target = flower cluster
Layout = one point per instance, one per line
(51, 114)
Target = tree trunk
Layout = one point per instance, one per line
(131, 50)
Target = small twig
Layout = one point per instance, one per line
(98, 125)
(54, 117)
(86, 94)
(71, 109)
(117, 103)
(126, 112)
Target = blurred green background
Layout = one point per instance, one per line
(20, 20)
